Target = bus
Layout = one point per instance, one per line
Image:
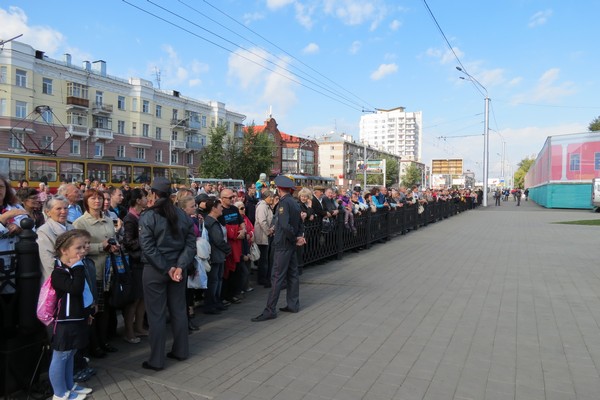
(233, 184)
(311, 181)
(54, 170)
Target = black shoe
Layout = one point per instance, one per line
(235, 300)
(174, 357)
(221, 307)
(98, 353)
(287, 309)
(213, 311)
(145, 365)
(263, 317)
(192, 326)
(267, 285)
(107, 347)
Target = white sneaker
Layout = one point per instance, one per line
(81, 389)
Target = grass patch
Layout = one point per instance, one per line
(589, 222)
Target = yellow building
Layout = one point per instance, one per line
(106, 118)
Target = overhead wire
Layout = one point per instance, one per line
(337, 99)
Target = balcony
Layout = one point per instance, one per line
(102, 108)
(77, 131)
(193, 146)
(178, 145)
(102, 134)
(179, 123)
(77, 102)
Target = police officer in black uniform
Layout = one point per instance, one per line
(289, 233)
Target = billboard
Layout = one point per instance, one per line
(372, 166)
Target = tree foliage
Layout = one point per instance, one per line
(238, 158)
(519, 176)
(413, 176)
(594, 125)
(391, 171)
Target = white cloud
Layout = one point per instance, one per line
(14, 22)
(548, 89)
(355, 47)
(356, 12)
(252, 17)
(312, 48)
(276, 4)
(539, 18)
(304, 15)
(174, 72)
(445, 56)
(384, 70)
(395, 25)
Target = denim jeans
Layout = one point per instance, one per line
(212, 295)
(61, 371)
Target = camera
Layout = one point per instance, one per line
(112, 242)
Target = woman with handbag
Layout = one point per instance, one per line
(102, 233)
(168, 247)
(133, 315)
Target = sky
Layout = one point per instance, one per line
(317, 65)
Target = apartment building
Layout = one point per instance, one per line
(105, 117)
(343, 158)
(396, 131)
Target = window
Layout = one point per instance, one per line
(47, 116)
(3, 107)
(158, 111)
(14, 166)
(189, 158)
(134, 128)
(21, 109)
(99, 98)
(145, 130)
(597, 161)
(158, 156)
(75, 146)
(288, 154)
(102, 122)
(75, 118)
(140, 153)
(174, 157)
(145, 106)
(175, 112)
(98, 149)
(121, 127)
(158, 133)
(174, 135)
(574, 162)
(16, 138)
(42, 170)
(97, 171)
(121, 103)
(134, 104)
(77, 90)
(21, 78)
(204, 121)
(47, 86)
(71, 171)
(3, 74)
(121, 173)
(121, 151)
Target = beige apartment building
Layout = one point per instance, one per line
(55, 107)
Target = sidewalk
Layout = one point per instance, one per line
(495, 303)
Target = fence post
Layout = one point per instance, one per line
(368, 229)
(340, 235)
(28, 277)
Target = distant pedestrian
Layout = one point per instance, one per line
(497, 196)
(518, 196)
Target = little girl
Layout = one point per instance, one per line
(70, 330)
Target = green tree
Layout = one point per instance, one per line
(594, 125)
(413, 176)
(256, 155)
(519, 175)
(391, 171)
(213, 163)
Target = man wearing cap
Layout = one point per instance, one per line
(289, 233)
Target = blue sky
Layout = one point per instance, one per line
(538, 61)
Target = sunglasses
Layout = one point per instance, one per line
(230, 198)
(242, 208)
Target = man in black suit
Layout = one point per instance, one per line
(317, 202)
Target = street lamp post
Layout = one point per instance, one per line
(486, 136)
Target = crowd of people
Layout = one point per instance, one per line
(84, 227)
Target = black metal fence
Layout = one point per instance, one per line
(372, 227)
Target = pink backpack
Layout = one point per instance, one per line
(47, 306)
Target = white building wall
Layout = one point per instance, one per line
(395, 131)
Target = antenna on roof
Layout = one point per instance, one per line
(157, 74)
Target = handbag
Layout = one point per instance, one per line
(203, 245)
(254, 252)
(198, 279)
(121, 292)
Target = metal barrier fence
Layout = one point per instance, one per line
(372, 227)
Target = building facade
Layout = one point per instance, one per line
(343, 158)
(292, 154)
(105, 117)
(395, 131)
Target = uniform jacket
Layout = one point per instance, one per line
(288, 225)
(160, 249)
